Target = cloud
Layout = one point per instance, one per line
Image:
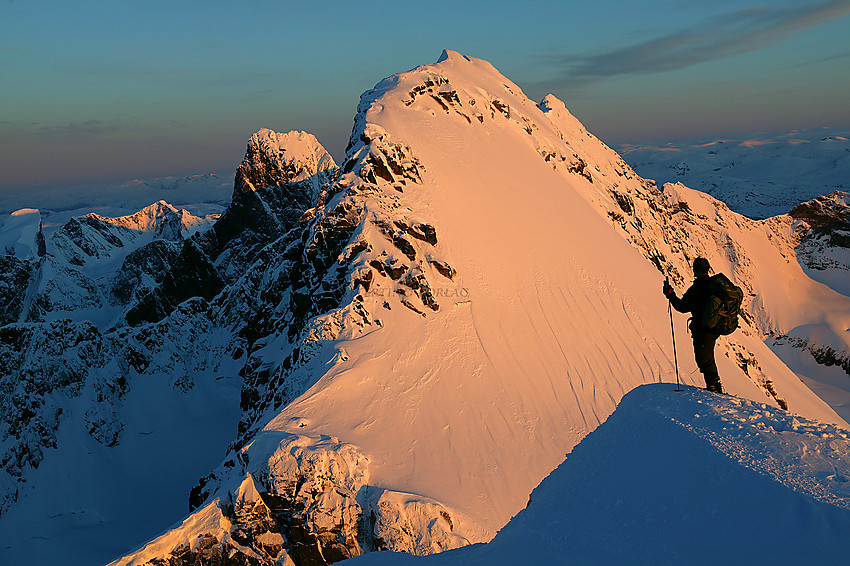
(823, 59)
(723, 36)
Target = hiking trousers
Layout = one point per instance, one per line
(704, 354)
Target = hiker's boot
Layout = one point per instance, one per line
(712, 383)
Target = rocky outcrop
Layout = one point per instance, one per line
(306, 501)
(306, 255)
(186, 274)
(279, 274)
(824, 232)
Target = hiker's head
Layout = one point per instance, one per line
(701, 266)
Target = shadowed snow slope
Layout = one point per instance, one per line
(683, 478)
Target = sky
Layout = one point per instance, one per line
(99, 91)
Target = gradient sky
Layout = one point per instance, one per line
(95, 91)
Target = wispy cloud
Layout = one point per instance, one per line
(723, 36)
(824, 59)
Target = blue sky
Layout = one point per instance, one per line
(102, 90)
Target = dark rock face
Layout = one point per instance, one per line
(307, 264)
(255, 540)
(187, 274)
(270, 197)
(38, 363)
(260, 292)
(824, 232)
(90, 238)
(15, 277)
(150, 262)
(167, 288)
(827, 214)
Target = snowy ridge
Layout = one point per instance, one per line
(163, 220)
(683, 478)
(768, 258)
(93, 237)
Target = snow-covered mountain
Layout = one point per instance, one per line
(760, 175)
(419, 334)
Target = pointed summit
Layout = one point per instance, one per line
(449, 55)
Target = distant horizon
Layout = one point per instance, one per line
(100, 91)
(231, 170)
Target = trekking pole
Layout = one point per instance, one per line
(673, 332)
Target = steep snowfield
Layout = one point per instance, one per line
(561, 316)
(760, 175)
(683, 478)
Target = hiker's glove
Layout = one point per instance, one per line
(668, 290)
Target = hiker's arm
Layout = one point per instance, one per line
(681, 305)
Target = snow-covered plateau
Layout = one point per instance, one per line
(392, 353)
(760, 175)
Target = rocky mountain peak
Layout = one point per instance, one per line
(275, 159)
(160, 220)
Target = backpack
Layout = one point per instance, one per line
(724, 304)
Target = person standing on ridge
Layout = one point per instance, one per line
(695, 300)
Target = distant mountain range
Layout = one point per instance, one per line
(122, 197)
(760, 175)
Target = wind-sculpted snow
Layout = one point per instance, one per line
(673, 226)
(683, 478)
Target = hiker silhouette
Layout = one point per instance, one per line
(697, 300)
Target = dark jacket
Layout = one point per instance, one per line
(694, 301)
